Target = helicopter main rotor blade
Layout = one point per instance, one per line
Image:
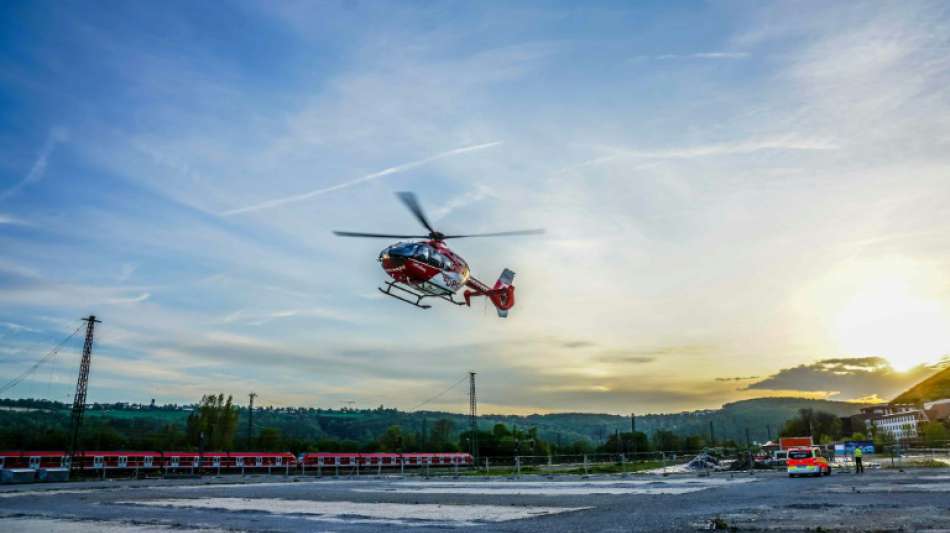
(377, 235)
(410, 201)
(498, 234)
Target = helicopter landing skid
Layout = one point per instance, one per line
(419, 296)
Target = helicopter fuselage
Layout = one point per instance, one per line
(429, 266)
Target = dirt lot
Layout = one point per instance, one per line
(915, 500)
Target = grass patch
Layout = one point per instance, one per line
(915, 463)
(599, 468)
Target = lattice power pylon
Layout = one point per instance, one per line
(82, 384)
(473, 414)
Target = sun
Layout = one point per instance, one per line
(891, 308)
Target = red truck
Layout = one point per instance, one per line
(786, 443)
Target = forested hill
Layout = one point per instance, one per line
(30, 423)
(935, 387)
(763, 417)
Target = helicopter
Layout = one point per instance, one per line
(429, 269)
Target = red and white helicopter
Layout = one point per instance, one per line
(429, 269)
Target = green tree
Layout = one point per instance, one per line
(821, 426)
(665, 440)
(694, 443)
(269, 439)
(628, 443)
(934, 433)
(392, 440)
(213, 423)
(441, 435)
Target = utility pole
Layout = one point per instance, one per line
(768, 428)
(748, 443)
(473, 416)
(250, 418)
(82, 384)
(633, 431)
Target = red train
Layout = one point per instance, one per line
(371, 460)
(102, 461)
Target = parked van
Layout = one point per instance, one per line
(779, 459)
(807, 461)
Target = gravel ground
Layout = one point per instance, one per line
(915, 500)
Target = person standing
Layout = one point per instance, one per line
(858, 454)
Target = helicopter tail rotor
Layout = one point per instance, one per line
(503, 293)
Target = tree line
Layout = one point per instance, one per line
(216, 423)
(826, 428)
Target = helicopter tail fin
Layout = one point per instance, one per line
(503, 293)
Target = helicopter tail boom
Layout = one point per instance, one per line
(502, 295)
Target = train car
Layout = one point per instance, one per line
(105, 463)
(32, 459)
(384, 460)
(255, 460)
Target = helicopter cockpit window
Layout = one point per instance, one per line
(401, 250)
(421, 253)
(436, 260)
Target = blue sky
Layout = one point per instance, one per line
(731, 190)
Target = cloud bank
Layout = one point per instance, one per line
(845, 378)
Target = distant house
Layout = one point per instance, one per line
(938, 410)
(901, 422)
(863, 421)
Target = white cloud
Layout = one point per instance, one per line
(702, 55)
(38, 169)
(788, 142)
(18, 327)
(481, 192)
(131, 300)
(12, 220)
(369, 177)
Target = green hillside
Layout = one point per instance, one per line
(935, 387)
(26, 424)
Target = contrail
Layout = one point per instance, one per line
(56, 135)
(369, 177)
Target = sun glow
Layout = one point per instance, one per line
(893, 308)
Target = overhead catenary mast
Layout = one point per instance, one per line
(250, 417)
(473, 414)
(82, 384)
